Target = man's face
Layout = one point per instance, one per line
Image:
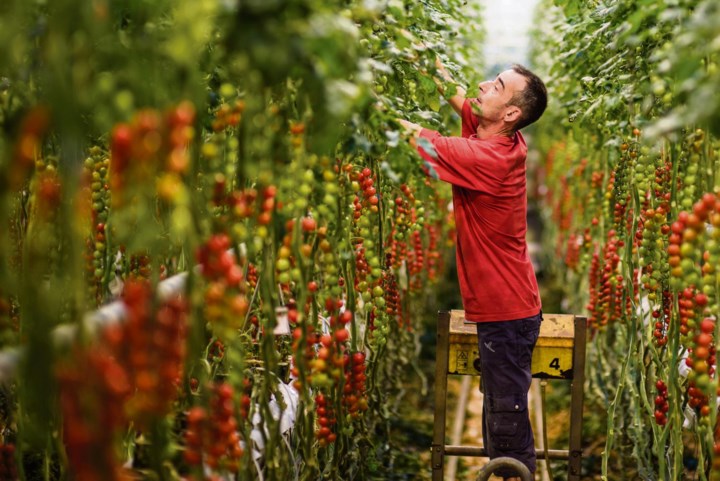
(494, 95)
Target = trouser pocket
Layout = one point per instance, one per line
(507, 421)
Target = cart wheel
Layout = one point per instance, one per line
(504, 462)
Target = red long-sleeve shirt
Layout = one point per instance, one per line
(496, 276)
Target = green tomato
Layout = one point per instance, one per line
(282, 264)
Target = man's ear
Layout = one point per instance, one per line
(512, 114)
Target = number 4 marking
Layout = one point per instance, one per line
(555, 363)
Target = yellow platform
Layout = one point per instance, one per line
(552, 357)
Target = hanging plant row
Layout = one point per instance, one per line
(631, 152)
(251, 147)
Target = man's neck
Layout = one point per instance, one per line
(493, 130)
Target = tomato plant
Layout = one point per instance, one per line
(630, 162)
(248, 152)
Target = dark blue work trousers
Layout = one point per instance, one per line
(505, 356)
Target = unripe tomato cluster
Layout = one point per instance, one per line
(225, 301)
(397, 253)
(212, 437)
(619, 184)
(403, 210)
(685, 249)
(96, 172)
(651, 236)
(333, 284)
(689, 166)
(689, 310)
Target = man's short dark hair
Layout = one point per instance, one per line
(532, 100)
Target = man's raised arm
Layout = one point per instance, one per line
(457, 100)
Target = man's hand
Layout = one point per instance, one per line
(411, 130)
(457, 100)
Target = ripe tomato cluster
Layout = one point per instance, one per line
(211, 437)
(8, 468)
(715, 472)
(151, 144)
(228, 115)
(572, 251)
(416, 258)
(93, 388)
(661, 317)
(701, 359)
(303, 348)
(397, 252)
(661, 403)
(8, 315)
(28, 145)
(326, 367)
(393, 307)
(690, 310)
(434, 259)
(225, 301)
(365, 180)
(326, 421)
(606, 296)
(153, 349)
(48, 194)
(354, 398)
(138, 266)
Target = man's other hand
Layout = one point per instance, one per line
(409, 128)
(442, 79)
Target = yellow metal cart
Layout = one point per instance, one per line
(559, 354)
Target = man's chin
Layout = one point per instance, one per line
(476, 107)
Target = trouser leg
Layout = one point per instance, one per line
(506, 355)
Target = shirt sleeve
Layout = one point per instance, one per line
(456, 161)
(470, 121)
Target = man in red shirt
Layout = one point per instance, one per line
(486, 167)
